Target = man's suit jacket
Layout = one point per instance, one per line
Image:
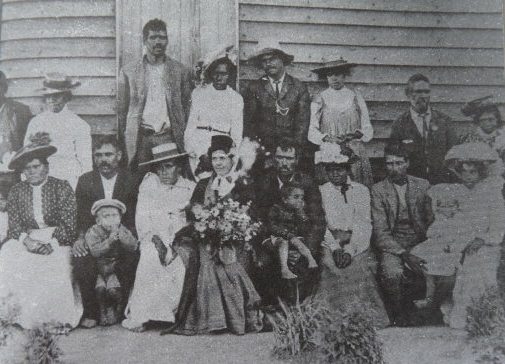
(261, 119)
(132, 92)
(18, 116)
(441, 137)
(385, 209)
(90, 189)
(268, 194)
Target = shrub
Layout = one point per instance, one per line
(8, 314)
(42, 346)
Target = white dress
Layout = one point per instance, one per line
(41, 285)
(157, 289)
(221, 110)
(72, 136)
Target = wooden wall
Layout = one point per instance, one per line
(76, 37)
(458, 44)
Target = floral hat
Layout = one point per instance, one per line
(331, 153)
(227, 54)
(39, 147)
(328, 67)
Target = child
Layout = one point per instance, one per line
(446, 237)
(105, 239)
(287, 223)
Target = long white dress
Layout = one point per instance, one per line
(72, 136)
(158, 288)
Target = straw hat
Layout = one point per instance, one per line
(108, 202)
(477, 106)
(55, 83)
(164, 152)
(329, 67)
(226, 54)
(331, 153)
(471, 152)
(269, 46)
(39, 147)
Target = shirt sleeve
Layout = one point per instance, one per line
(98, 246)
(127, 239)
(316, 106)
(362, 224)
(237, 125)
(194, 113)
(65, 232)
(366, 125)
(83, 148)
(143, 218)
(16, 228)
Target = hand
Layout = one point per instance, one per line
(414, 263)
(342, 259)
(474, 246)
(342, 236)
(293, 258)
(328, 262)
(80, 248)
(37, 246)
(336, 139)
(114, 233)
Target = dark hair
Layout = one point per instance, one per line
(413, 79)
(286, 144)
(230, 67)
(179, 163)
(482, 168)
(288, 188)
(346, 71)
(492, 109)
(155, 25)
(102, 140)
(397, 149)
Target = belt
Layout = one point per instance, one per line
(209, 128)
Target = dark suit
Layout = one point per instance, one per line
(426, 157)
(90, 189)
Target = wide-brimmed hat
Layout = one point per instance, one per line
(108, 202)
(226, 54)
(220, 142)
(39, 147)
(55, 83)
(331, 66)
(269, 46)
(331, 153)
(164, 152)
(471, 152)
(478, 106)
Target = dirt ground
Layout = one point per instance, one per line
(426, 345)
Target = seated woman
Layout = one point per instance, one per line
(163, 197)
(347, 280)
(218, 294)
(35, 262)
(484, 206)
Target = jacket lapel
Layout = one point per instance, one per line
(268, 87)
(392, 200)
(285, 86)
(97, 186)
(118, 188)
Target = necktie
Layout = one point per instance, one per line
(277, 91)
(425, 127)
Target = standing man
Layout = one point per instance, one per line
(153, 98)
(426, 133)
(277, 105)
(108, 181)
(401, 214)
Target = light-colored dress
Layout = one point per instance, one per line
(485, 207)
(495, 140)
(337, 113)
(72, 136)
(157, 288)
(220, 111)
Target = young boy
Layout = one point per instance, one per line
(105, 239)
(288, 222)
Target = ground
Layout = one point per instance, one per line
(425, 345)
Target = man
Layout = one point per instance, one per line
(14, 118)
(426, 133)
(401, 214)
(268, 193)
(153, 98)
(110, 182)
(277, 105)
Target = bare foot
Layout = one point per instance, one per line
(88, 323)
(312, 263)
(428, 302)
(287, 274)
(138, 329)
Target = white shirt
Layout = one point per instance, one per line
(355, 215)
(108, 186)
(37, 205)
(418, 120)
(280, 81)
(155, 114)
(402, 194)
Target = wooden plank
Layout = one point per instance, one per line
(101, 124)
(460, 6)
(392, 56)
(82, 105)
(75, 67)
(59, 28)
(90, 86)
(57, 8)
(301, 15)
(365, 35)
(66, 47)
(397, 74)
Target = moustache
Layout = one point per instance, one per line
(104, 164)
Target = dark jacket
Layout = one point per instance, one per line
(441, 137)
(90, 189)
(18, 117)
(261, 119)
(287, 223)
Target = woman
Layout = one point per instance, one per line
(216, 109)
(163, 196)
(218, 293)
(347, 280)
(35, 261)
(484, 206)
(339, 115)
(70, 134)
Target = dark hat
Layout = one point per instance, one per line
(55, 83)
(39, 147)
(478, 106)
(331, 66)
(108, 202)
(164, 152)
(220, 142)
(267, 46)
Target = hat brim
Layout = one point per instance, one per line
(162, 159)
(322, 71)
(52, 91)
(121, 207)
(25, 155)
(255, 58)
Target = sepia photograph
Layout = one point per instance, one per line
(252, 181)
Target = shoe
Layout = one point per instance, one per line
(87, 323)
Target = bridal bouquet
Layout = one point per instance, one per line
(225, 223)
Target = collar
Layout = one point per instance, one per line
(282, 183)
(415, 114)
(281, 80)
(108, 179)
(39, 186)
(146, 59)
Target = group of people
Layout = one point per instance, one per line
(104, 232)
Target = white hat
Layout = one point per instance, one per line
(164, 152)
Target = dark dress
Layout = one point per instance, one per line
(216, 296)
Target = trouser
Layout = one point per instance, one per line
(86, 273)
